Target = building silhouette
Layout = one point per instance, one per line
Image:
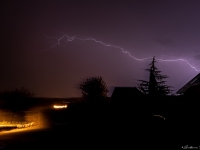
(126, 93)
(192, 87)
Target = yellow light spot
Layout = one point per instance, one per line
(60, 106)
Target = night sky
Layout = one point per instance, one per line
(165, 29)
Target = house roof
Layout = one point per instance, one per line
(192, 82)
(128, 92)
(193, 90)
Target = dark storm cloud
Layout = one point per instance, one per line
(197, 57)
(166, 42)
(146, 28)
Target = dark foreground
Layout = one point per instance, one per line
(93, 138)
(96, 138)
(109, 127)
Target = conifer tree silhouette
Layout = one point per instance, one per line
(156, 86)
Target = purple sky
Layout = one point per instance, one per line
(165, 29)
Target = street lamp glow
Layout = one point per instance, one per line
(60, 106)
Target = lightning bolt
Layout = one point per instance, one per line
(159, 116)
(66, 38)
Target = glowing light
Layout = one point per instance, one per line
(20, 130)
(2, 126)
(67, 38)
(159, 116)
(60, 106)
(25, 125)
(8, 127)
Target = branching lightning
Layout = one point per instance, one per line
(66, 38)
(159, 116)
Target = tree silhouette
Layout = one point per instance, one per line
(94, 89)
(16, 100)
(21, 93)
(156, 85)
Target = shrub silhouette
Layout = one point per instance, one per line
(17, 99)
(94, 89)
(21, 93)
